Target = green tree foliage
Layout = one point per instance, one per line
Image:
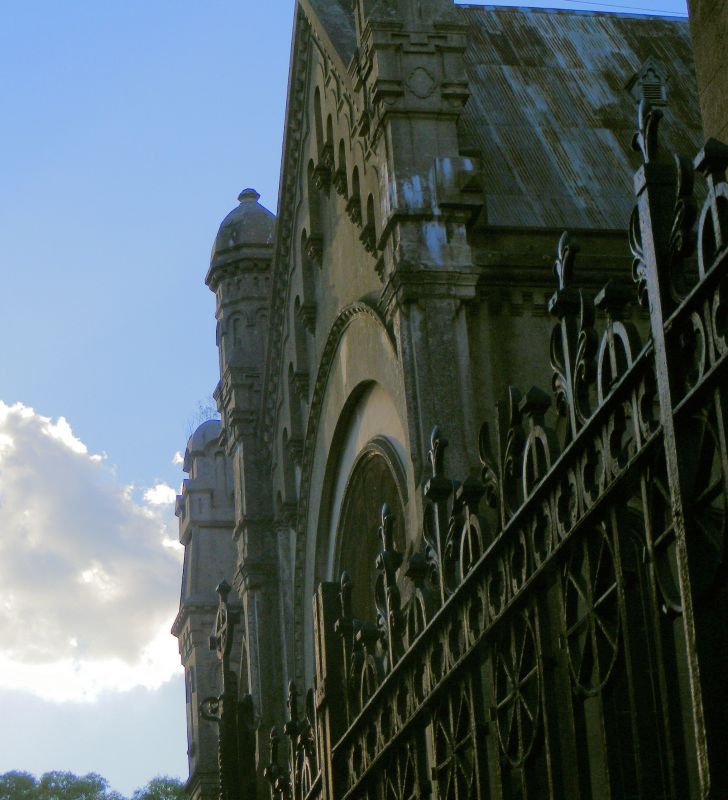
(162, 788)
(67, 786)
(18, 786)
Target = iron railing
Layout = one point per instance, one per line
(569, 638)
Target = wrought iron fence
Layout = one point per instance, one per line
(562, 633)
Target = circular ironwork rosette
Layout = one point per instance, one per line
(706, 506)
(615, 357)
(307, 774)
(403, 702)
(497, 588)
(415, 619)
(454, 757)
(705, 512)
(475, 616)
(620, 435)
(400, 775)
(591, 611)
(663, 546)
(719, 320)
(648, 402)
(518, 561)
(356, 762)
(512, 482)
(537, 459)
(385, 725)
(691, 349)
(593, 469)
(471, 545)
(372, 743)
(456, 641)
(370, 679)
(567, 513)
(420, 684)
(541, 534)
(517, 690)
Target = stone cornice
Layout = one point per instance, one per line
(245, 258)
(319, 33)
(412, 286)
(254, 574)
(307, 32)
(292, 143)
(197, 605)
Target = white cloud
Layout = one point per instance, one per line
(88, 578)
(178, 458)
(160, 494)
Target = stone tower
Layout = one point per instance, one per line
(239, 275)
(205, 509)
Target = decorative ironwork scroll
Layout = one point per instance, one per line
(567, 638)
(563, 629)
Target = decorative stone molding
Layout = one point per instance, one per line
(294, 450)
(324, 169)
(341, 81)
(307, 314)
(314, 247)
(421, 83)
(328, 357)
(368, 238)
(353, 209)
(241, 424)
(300, 384)
(285, 518)
(340, 182)
(253, 574)
(291, 151)
(410, 287)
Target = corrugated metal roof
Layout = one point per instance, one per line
(551, 118)
(337, 18)
(549, 113)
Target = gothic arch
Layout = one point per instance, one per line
(376, 477)
(342, 381)
(318, 121)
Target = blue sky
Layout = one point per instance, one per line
(128, 131)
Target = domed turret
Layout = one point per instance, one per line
(209, 431)
(248, 225)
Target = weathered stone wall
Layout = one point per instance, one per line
(390, 289)
(333, 342)
(709, 29)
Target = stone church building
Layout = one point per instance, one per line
(433, 156)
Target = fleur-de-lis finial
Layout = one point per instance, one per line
(564, 264)
(436, 455)
(645, 139)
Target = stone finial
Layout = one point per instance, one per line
(248, 195)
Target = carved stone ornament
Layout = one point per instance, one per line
(314, 247)
(353, 209)
(421, 83)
